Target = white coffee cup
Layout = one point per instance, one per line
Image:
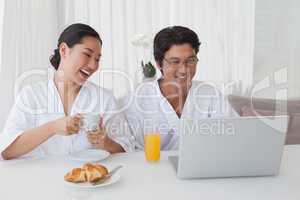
(90, 121)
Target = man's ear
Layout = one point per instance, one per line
(159, 66)
(63, 49)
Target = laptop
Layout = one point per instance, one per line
(230, 147)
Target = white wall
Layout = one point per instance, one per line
(27, 46)
(277, 46)
(2, 4)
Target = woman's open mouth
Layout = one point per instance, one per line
(85, 73)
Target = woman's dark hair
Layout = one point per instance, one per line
(72, 35)
(169, 36)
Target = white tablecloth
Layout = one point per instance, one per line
(43, 179)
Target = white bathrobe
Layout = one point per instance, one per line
(147, 110)
(40, 103)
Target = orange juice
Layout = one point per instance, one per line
(152, 146)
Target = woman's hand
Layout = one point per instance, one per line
(100, 140)
(68, 125)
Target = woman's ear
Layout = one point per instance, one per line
(63, 49)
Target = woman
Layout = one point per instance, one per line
(161, 105)
(45, 118)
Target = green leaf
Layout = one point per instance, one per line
(149, 70)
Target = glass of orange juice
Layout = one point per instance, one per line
(152, 146)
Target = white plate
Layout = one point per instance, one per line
(90, 155)
(115, 178)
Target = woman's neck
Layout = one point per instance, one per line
(63, 84)
(67, 90)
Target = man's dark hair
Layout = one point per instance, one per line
(174, 35)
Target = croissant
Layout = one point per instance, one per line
(88, 173)
(95, 172)
(77, 175)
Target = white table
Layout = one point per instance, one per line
(43, 179)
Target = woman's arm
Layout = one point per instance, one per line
(34, 137)
(29, 140)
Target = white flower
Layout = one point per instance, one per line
(141, 40)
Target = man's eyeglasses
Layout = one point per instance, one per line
(176, 63)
